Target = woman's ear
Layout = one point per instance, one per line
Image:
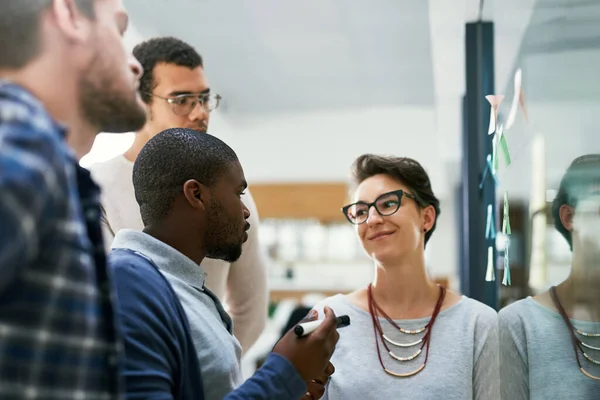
(196, 194)
(566, 214)
(429, 216)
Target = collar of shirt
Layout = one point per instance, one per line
(164, 256)
(26, 107)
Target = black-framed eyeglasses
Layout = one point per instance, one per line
(184, 104)
(386, 204)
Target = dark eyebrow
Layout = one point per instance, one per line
(244, 185)
(404, 193)
(185, 93)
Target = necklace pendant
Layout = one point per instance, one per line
(589, 346)
(407, 375)
(590, 359)
(596, 378)
(390, 341)
(587, 334)
(413, 332)
(404, 359)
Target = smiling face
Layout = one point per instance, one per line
(390, 238)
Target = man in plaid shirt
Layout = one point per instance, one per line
(61, 62)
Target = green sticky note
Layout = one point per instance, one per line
(495, 152)
(505, 151)
(506, 279)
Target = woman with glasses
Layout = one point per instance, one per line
(409, 338)
(550, 343)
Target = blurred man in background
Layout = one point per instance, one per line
(65, 75)
(176, 93)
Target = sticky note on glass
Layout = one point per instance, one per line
(490, 226)
(512, 114)
(506, 219)
(503, 146)
(517, 101)
(506, 279)
(490, 273)
(494, 101)
(488, 169)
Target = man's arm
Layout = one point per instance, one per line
(30, 185)
(292, 363)
(275, 379)
(146, 323)
(247, 294)
(108, 235)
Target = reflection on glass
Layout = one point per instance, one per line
(550, 343)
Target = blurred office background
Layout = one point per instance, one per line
(308, 86)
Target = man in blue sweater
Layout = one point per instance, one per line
(178, 338)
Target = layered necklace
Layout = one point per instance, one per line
(577, 337)
(420, 344)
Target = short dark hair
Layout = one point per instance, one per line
(171, 158)
(406, 171)
(167, 50)
(20, 29)
(582, 174)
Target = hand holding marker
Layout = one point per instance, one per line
(305, 328)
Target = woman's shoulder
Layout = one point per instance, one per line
(339, 303)
(472, 308)
(330, 301)
(478, 307)
(523, 312)
(482, 313)
(516, 307)
(478, 318)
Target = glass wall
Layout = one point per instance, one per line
(551, 341)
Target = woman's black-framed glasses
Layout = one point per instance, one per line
(386, 204)
(184, 104)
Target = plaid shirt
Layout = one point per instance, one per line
(58, 337)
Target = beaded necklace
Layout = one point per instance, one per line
(424, 342)
(578, 344)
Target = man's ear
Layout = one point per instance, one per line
(566, 214)
(196, 194)
(76, 26)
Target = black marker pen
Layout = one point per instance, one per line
(305, 328)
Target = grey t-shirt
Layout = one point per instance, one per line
(537, 357)
(462, 364)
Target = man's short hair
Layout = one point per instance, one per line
(20, 29)
(168, 50)
(170, 159)
(580, 178)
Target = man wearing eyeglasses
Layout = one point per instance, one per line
(177, 95)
